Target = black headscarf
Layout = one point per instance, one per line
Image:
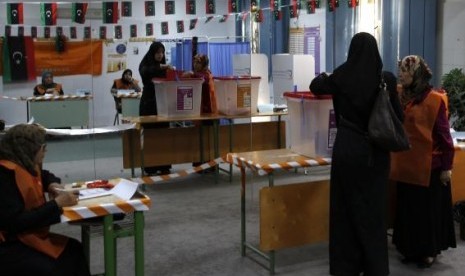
(149, 67)
(359, 77)
(124, 73)
(46, 74)
(149, 56)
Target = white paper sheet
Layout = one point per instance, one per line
(125, 189)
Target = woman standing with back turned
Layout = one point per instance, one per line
(359, 170)
(153, 65)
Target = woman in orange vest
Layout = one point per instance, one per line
(48, 87)
(27, 247)
(126, 82)
(208, 103)
(423, 224)
(201, 70)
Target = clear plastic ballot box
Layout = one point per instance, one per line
(312, 123)
(237, 95)
(178, 98)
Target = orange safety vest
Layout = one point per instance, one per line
(414, 165)
(208, 97)
(119, 84)
(43, 91)
(33, 195)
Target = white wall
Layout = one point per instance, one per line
(103, 110)
(451, 36)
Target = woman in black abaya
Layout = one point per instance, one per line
(359, 171)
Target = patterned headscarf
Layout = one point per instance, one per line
(20, 145)
(202, 59)
(421, 75)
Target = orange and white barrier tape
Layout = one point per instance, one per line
(268, 168)
(160, 178)
(83, 212)
(239, 162)
(48, 98)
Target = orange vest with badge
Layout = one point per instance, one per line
(119, 84)
(32, 192)
(41, 89)
(414, 165)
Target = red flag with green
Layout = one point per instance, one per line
(110, 12)
(18, 59)
(14, 13)
(48, 14)
(78, 12)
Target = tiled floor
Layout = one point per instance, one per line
(193, 227)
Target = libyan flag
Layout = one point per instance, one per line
(48, 14)
(110, 12)
(18, 59)
(78, 12)
(15, 13)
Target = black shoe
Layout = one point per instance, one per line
(165, 171)
(426, 262)
(408, 260)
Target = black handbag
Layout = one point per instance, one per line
(385, 130)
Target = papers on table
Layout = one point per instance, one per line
(125, 189)
(125, 92)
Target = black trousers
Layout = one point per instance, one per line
(17, 259)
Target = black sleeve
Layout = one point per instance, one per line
(149, 72)
(36, 92)
(48, 178)
(322, 85)
(13, 217)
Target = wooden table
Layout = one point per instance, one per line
(290, 215)
(107, 206)
(189, 144)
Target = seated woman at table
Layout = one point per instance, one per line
(48, 87)
(126, 82)
(27, 247)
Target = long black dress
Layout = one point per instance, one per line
(359, 170)
(149, 69)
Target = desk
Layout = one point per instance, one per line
(59, 111)
(106, 206)
(187, 144)
(130, 104)
(290, 215)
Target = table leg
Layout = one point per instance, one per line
(243, 238)
(109, 246)
(216, 135)
(131, 152)
(230, 148)
(279, 131)
(141, 139)
(139, 242)
(27, 111)
(202, 157)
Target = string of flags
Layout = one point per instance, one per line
(111, 14)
